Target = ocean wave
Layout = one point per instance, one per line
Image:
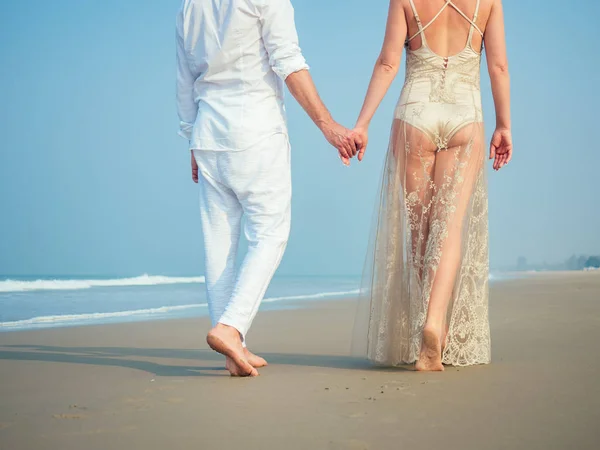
(73, 319)
(71, 285)
(313, 296)
(81, 318)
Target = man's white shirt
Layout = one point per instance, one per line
(232, 59)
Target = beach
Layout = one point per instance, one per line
(155, 385)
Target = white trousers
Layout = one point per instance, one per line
(255, 184)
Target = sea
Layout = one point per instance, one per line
(45, 302)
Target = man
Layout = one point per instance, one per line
(233, 57)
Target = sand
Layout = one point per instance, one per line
(155, 385)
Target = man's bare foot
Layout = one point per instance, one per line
(430, 359)
(231, 367)
(226, 341)
(254, 360)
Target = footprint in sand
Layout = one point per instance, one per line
(74, 415)
(80, 408)
(397, 384)
(69, 416)
(124, 429)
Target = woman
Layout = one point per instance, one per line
(426, 291)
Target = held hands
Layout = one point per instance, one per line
(348, 143)
(341, 138)
(501, 148)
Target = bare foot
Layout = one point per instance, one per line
(430, 359)
(444, 338)
(254, 360)
(226, 341)
(231, 367)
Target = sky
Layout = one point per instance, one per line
(95, 181)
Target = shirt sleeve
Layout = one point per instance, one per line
(186, 104)
(280, 37)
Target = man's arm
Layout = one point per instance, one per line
(285, 57)
(303, 89)
(186, 104)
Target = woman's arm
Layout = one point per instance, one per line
(385, 70)
(495, 49)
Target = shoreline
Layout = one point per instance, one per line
(193, 310)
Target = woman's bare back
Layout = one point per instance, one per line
(449, 31)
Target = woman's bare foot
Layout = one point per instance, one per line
(444, 338)
(226, 341)
(254, 360)
(444, 343)
(430, 359)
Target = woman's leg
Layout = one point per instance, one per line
(456, 170)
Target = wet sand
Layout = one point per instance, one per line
(155, 385)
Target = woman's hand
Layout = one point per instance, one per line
(501, 148)
(361, 138)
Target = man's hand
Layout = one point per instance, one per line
(194, 169)
(341, 138)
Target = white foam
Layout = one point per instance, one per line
(70, 285)
(81, 318)
(313, 296)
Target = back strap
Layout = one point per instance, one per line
(472, 22)
(458, 10)
(419, 24)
